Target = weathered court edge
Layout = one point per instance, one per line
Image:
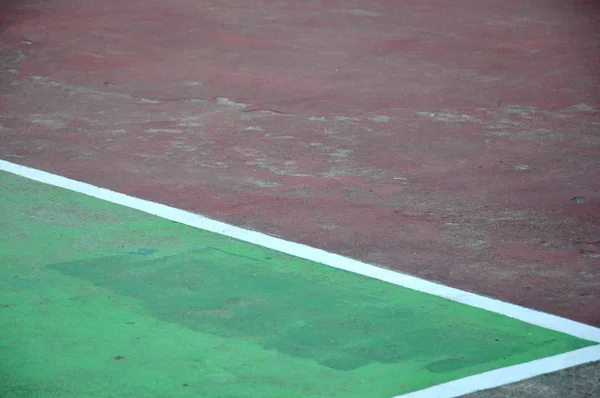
(451, 389)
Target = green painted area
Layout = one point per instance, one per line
(97, 300)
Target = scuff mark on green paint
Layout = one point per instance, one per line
(19, 283)
(144, 252)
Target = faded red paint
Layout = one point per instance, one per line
(440, 138)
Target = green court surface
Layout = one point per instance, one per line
(99, 300)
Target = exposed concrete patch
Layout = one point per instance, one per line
(190, 124)
(522, 167)
(345, 118)
(592, 255)
(449, 117)
(336, 171)
(380, 118)
(211, 164)
(43, 121)
(228, 102)
(581, 108)
(190, 121)
(186, 147)
(284, 137)
(249, 152)
(401, 180)
(477, 242)
(149, 101)
(344, 169)
(340, 153)
(524, 111)
(261, 183)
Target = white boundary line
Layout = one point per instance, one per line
(447, 390)
(508, 375)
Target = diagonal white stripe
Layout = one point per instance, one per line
(509, 374)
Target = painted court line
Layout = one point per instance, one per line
(447, 390)
(508, 375)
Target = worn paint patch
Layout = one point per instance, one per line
(238, 295)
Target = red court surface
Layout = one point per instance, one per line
(454, 141)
